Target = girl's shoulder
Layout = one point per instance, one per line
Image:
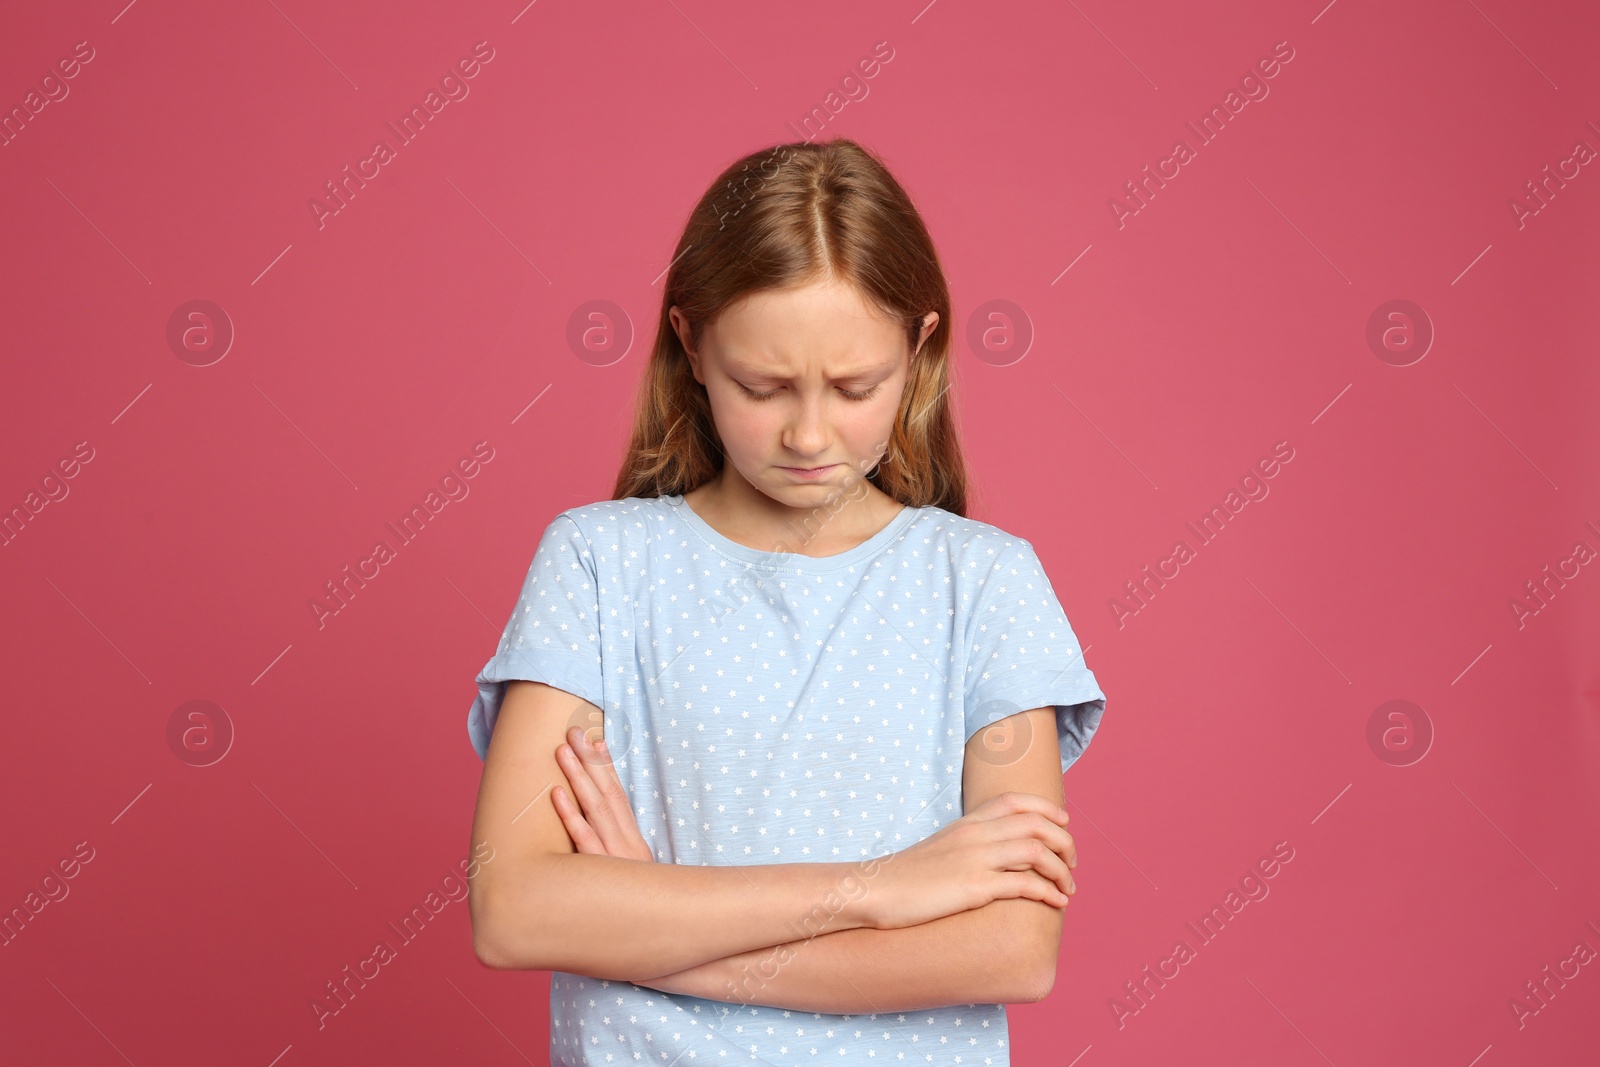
(979, 548)
(610, 520)
(964, 538)
(973, 535)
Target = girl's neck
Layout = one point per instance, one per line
(742, 513)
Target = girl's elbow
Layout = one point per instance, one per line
(489, 942)
(1038, 944)
(1041, 979)
(502, 934)
(1029, 979)
(489, 953)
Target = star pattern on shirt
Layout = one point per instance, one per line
(779, 708)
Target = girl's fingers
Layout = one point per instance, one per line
(588, 795)
(598, 763)
(1061, 843)
(1031, 824)
(604, 803)
(597, 793)
(617, 801)
(616, 796)
(1025, 854)
(1032, 886)
(583, 836)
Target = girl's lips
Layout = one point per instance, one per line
(811, 472)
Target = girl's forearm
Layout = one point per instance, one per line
(996, 954)
(627, 920)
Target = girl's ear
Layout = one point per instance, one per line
(930, 322)
(680, 326)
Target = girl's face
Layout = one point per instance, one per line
(804, 385)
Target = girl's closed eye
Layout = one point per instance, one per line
(863, 395)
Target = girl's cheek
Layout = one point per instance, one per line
(755, 428)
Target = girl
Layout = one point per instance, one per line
(774, 737)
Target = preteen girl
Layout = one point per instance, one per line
(774, 737)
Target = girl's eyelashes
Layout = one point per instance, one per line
(865, 395)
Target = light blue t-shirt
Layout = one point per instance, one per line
(772, 707)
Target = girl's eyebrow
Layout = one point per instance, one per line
(759, 372)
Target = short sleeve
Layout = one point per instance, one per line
(554, 632)
(1022, 654)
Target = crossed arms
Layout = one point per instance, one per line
(972, 917)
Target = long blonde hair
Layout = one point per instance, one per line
(785, 216)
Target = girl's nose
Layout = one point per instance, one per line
(807, 432)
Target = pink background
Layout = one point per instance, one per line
(1228, 313)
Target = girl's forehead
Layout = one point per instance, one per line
(850, 353)
(838, 294)
(827, 328)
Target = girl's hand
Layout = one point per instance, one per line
(1011, 845)
(601, 821)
